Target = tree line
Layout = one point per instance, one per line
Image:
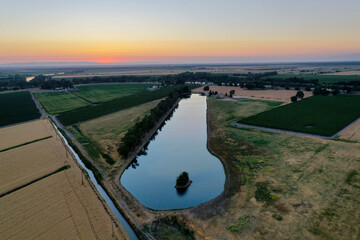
(135, 134)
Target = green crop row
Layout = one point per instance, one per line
(87, 113)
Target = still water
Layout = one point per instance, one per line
(179, 146)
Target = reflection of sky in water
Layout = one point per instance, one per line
(179, 146)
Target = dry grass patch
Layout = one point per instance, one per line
(306, 179)
(272, 95)
(352, 132)
(106, 132)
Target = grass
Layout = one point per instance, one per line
(310, 182)
(108, 130)
(242, 223)
(88, 113)
(321, 78)
(17, 107)
(316, 115)
(108, 92)
(58, 102)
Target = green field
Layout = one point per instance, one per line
(317, 115)
(17, 107)
(58, 102)
(87, 113)
(322, 78)
(108, 92)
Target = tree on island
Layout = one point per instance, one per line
(294, 98)
(183, 180)
(206, 88)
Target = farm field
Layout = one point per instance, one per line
(58, 206)
(323, 78)
(271, 95)
(308, 180)
(106, 132)
(92, 112)
(58, 102)
(17, 107)
(345, 73)
(352, 132)
(29, 132)
(106, 92)
(317, 115)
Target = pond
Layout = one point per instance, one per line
(179, 146)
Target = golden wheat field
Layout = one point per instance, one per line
(61, 206)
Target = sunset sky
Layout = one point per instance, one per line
(174, 31)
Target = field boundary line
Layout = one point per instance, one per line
(92, 103)
(237, 124)
(26, 143)
(35, 180)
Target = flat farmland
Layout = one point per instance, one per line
(107, 131)
(107, 92)
(316, 115)
(17, 107)
(58, 102)
(352, 132)
(29, 132)
(312, 179)
(331, 78)
(272, 95)
(92, 112)
(38, 202)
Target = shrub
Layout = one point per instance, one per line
(262, 194)
(293, 99)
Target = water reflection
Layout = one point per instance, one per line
(179, 145)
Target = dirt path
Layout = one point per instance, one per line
(38, 105)
(241, 125)
(340, 133)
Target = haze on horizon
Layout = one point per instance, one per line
(162, 31)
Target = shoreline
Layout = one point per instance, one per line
(137, 214)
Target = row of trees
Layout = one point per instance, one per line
(299, 95)
(15, 82)
(134, 135)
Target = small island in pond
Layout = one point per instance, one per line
(183, 181)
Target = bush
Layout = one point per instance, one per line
(293, 99)
(262, 194)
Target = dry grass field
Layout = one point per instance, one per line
(63, 205)
(273, 95)
(106, 132)
(348, 73)
(313, 184)
(352, 132)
